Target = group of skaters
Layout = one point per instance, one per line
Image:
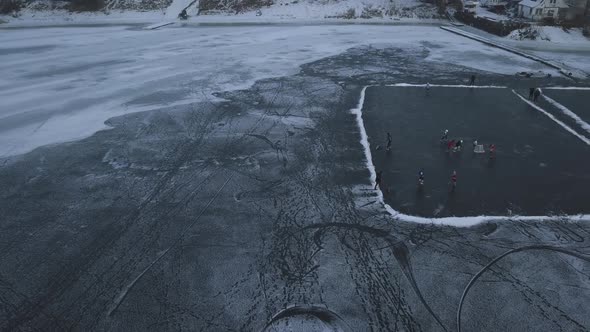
(453, 145)
(379, 179)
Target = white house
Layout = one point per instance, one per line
(537, 10)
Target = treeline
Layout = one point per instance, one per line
(8, 7)
(236, 6)
(12, 7)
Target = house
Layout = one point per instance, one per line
(558, 10)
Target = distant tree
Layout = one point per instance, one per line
(582, 10)
(233, 5)
(442, 6)
(10, 6)
(86, 5)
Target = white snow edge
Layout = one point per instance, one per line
(567, 88)
(402, 85)
(569, 113)
(448, 221)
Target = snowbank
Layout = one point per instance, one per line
(570, 48)
(550, 34)
(302, 11)
(346, 9)
(29, 18)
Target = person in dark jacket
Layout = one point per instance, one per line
(445, 136)
(378, 179)
(389, 140)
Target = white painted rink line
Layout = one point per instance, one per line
(449, 221)
(567, 88)
(569, 113)
(549, 115)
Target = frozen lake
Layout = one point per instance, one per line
(61, 83)
(231, 191)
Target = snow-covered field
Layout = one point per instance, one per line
(570, 47)
(31, 18)
(322, 9)
(279, 11)
(555, 35)
(61, 84)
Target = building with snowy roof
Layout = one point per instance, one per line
(558, 10)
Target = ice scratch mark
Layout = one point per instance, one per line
(399, 250)
(495, 260)
(119, 299)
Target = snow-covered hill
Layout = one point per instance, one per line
(252, 10)
(91, 5)
(550, 34)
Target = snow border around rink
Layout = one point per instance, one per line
(409, 85)
(568, 112)
(447, 221)
(566, 88)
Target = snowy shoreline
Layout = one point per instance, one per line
(62, 18)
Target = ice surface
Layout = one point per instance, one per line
(451, 221)
(60, 84)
